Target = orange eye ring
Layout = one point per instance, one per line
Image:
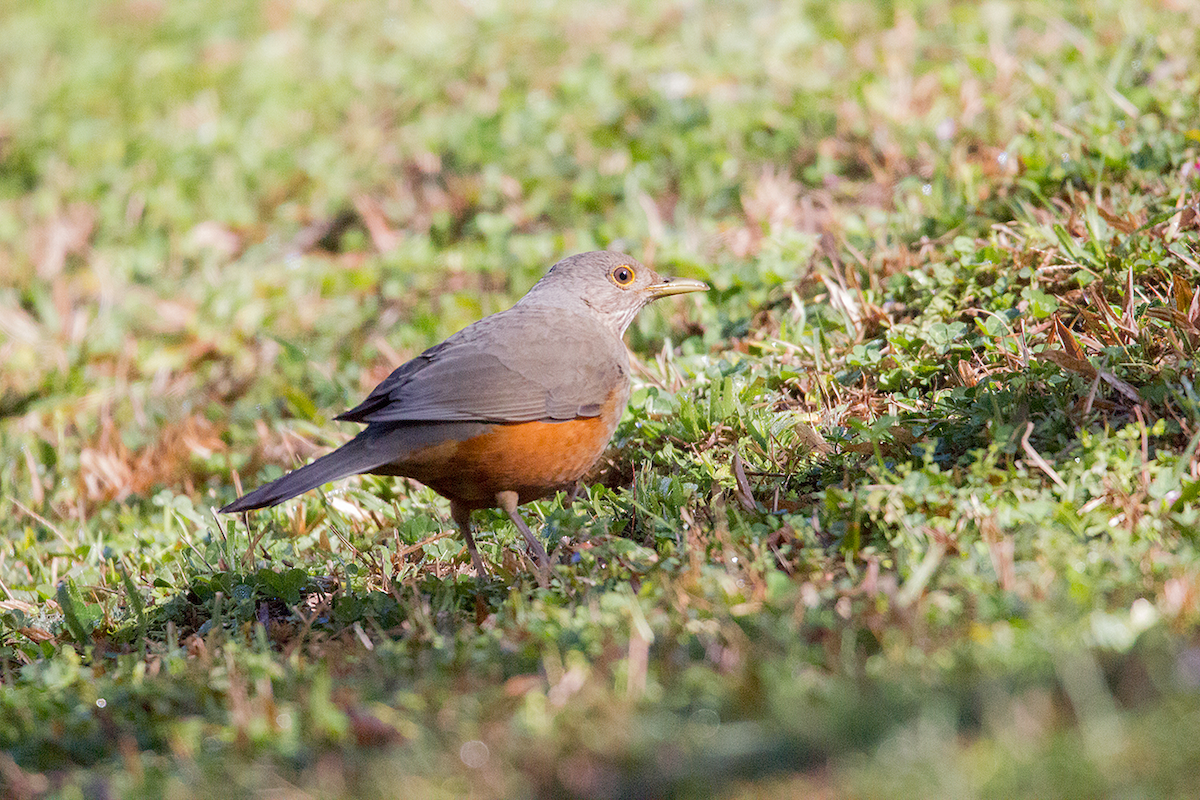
(622, 275)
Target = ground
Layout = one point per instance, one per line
(903, 507)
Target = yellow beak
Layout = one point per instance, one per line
(668, 286)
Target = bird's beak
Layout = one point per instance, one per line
(668, 286)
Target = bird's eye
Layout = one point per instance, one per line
(622, 275)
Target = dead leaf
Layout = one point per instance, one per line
(382, 236)
(1067, 340)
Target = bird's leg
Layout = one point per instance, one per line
(462, 517)
(508, 501)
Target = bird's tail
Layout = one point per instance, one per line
(350, 459)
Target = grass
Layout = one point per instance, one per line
(903, 507)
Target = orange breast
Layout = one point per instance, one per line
(533, 459)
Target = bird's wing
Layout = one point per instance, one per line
(521, 365)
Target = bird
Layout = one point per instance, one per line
(512, 408)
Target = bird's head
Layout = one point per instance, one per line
(613, 285)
